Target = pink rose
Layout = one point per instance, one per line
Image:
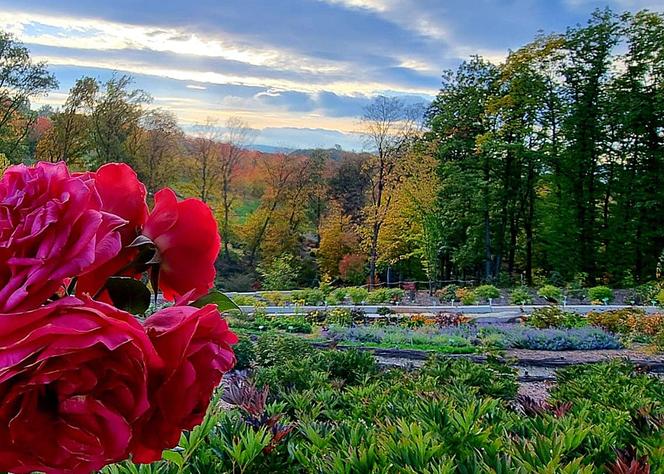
(195, 345)
(52, 227)
(187, 239)
(121, 194)
(73, 381)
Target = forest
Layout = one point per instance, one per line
(547, 167)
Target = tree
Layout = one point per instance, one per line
(69, 139)
(235, 140)
(159, 150)
(388, 126)
(115, 118)
(20, 80)
(204, 165)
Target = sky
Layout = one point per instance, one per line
(300, 72)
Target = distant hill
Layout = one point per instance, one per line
(270, 149)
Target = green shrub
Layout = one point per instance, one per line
(279, 274)
(357, 294)
(296, 324)
(486, 292)
(554, 317)
(521, 295)
(337, 296)
(244, 353)
(600, 293)
(245, 300)
(491, 379)
(378, 296)
(340, 317)
(351, 366)
(317, 316)
(551, 293)
(309, 296)
(275, 298)
(275, 349)
(660, 297)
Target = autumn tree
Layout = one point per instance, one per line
(203, 169)
(389, 125)
(235, 139)
(21, 79)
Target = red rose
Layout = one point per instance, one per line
(52, 226)
(73, 380)
(187, 241)
(195, 345)
(121, 194)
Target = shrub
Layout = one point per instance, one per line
(279, 274)
(357, 294)
(245, 300)
(244, 353)
(378, 296)
(444, 319)
(551, 293)
(351, 366)
(490, 379)
(660, 297)
(521, 295)
(486, 292)
(352, 269)
(384, 311)
(603, 294)
(337, 296)
(275, 298)
(618, 321)
(340, 316)
(466, 296)
(309, 296)
(276, 349)
(297, 324)
(554, 317)
(317, 316)
(447, 294)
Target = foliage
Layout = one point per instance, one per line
(517, 337)
(337, 296)
(554, 317)
(602, 294)
(280, 274)
(308, 296)
(551, 293)
(276, 298)
(486, 292)
(357, 294)
(385, 295)
(447, 294)
(244, 353)
(352, 269)
(466, 295)
(521, 296)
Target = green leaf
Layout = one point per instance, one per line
(223, 302)
(128, 294)
(174, 457)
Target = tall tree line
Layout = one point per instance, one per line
(551, 164)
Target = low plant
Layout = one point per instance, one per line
(466, 295)
(337, 296)
(506, 336)
(554, 317)
(275, 298)
(486, 292)
(357, 294)
(340, 317)
(246, 300)
(244, 353)
(295, 324)
(602, 294)
(317, 316)
(660, 297)
(308, 296)
(521, 296)
(551, 293)
(447, 294)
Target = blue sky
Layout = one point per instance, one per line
(298, 71)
